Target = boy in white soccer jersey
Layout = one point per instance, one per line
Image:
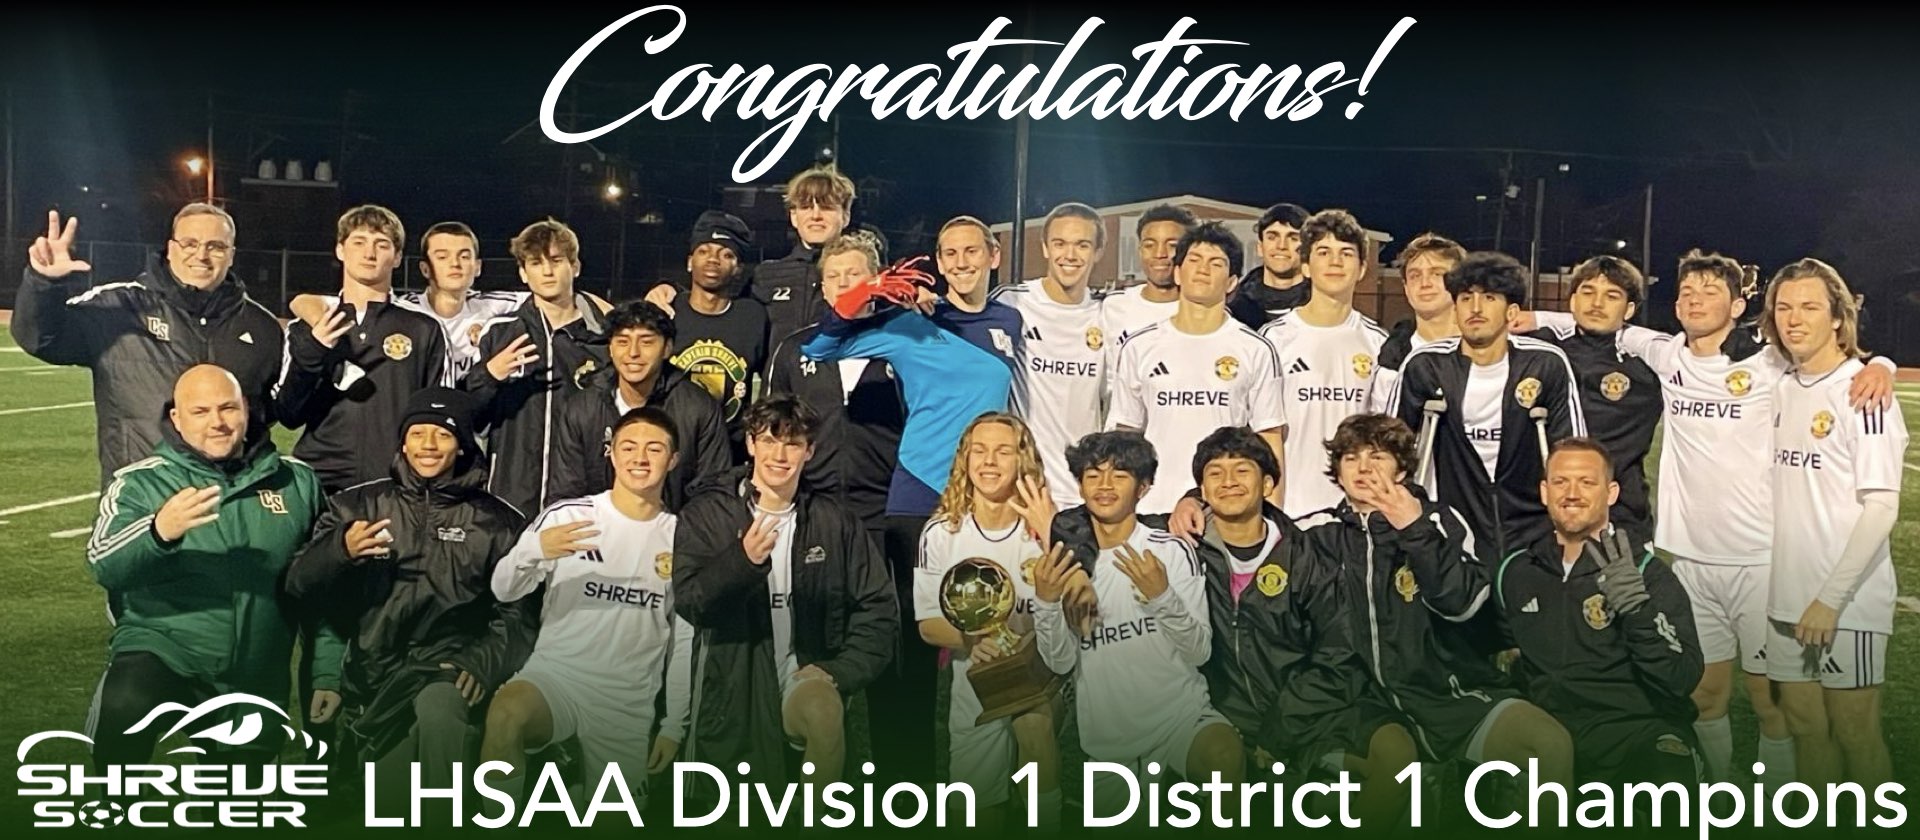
(608, 635)
(1140, 697)
(1715, 508)
(1178, 380)
(1836, 492)
(1059, 386)
(1327, 354)
(1134, 309)
(995, 508)
(451, 265)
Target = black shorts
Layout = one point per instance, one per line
(1444, 726)
(1654, 751)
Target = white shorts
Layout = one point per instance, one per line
(1729, 610)
(1477, 745)
(1110, 790)
(613, 727)
(1857, 659)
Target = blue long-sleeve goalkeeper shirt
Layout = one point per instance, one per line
(952, 367)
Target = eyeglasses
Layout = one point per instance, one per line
(212, 247)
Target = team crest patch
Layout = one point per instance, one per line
(1404, 584)
(473, 334)
(1226, 367)
(1822, 424)
(585, 370)
(1614, 385)
(1595, 609)
(452, 535)
(816, 554)
(1672, 746)
(1527, 392)
(159, 328)
(1362, 365)
(663, 565)
(1095, 338)
(397, 347)
(1739, 382)
(1139, 597)
(715, 367)
(274, 502)
(1026, 569)
(1270, 580)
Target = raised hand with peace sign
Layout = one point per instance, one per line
(52, 255)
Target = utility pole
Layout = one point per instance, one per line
(1015, 271)
(1646, 235)
(1500, 215)
(210, 160)
(1533, 255)
(7, 249)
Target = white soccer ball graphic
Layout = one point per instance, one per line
(97, 814)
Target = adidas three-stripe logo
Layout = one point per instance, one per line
(1033, 334)
(1675, 379)
(1158, 370)
(1298, 366)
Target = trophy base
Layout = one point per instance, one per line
(1014, 684)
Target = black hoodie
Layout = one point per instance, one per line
(138, 336)
(584, 431)
(429, 601)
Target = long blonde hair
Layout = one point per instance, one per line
(956, 502)
(1840, 300)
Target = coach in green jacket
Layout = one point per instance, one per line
(193, 543)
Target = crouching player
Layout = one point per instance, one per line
(1284, 667)
(607, 631)
(995, 508)
(1141, 700)
(1605, 631)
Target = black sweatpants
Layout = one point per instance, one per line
(901, 702)
(134, 684)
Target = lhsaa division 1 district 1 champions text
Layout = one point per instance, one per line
(1149, 802)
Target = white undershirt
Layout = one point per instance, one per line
(1482, 411)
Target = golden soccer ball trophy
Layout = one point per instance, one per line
(977, 598)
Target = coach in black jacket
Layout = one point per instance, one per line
(1484, 408)
(728, 567)
(1606, 633)
(137, 336)
(404, 566)
(640, 339)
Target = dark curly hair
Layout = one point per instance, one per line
(1235, 442)
(1378, 432)
(639, 315)
(1215, 234)
(1491, 272)
(1128, 452)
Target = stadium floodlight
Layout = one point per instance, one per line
(613, 192)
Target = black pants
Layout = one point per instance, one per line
(901, 702)
(134, 684)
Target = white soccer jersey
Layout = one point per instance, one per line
(1825, 454)
(606, 621)
(1178, 388)
(1059, 386)
(1328, 371)
(1013, 549)
(1482, 411)
(1386, 381)
(1128, 311)
(463, 329)
(1137, 679)
(780, 594)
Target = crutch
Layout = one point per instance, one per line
(1539, 415)
(1429, 424)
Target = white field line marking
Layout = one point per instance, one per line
(1911, 467)
(45, 408)
(38, 368)
(70, 533)
(1908, 603)
(43, 372)
(83, 497)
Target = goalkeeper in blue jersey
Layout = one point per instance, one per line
(954, 362)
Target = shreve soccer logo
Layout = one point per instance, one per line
(207, 794)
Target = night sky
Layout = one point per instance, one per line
(1768, 135)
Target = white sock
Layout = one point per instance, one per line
(1778, 756)
(1049, 816)
(1716, 746)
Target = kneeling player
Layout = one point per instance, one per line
(1141, 700)
(1605, 631)
(791, 604)
(1415, 581)
(1284, 667)
(607, 632)
(996, 508)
